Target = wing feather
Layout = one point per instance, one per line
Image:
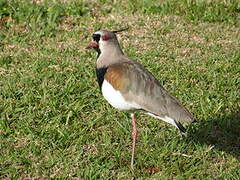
(139, 86)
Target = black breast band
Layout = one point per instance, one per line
(100, 75)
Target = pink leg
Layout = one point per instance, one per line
(134, 137)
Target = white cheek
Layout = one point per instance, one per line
(101, 44)
(115, 98)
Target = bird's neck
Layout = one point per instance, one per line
(109, 55)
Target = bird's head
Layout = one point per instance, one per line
(104, 38)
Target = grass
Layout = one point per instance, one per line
(54, 123)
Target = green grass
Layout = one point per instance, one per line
(54, 123)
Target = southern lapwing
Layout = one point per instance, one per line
(127, 85)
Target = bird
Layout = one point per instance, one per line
(128, 86)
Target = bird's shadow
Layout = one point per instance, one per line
(222, 133)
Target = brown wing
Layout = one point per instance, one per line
(139, 86)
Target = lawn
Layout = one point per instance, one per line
(54, 122)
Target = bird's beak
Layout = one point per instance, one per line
(93, 44)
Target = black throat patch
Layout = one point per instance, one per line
(100, 75)
(98, 51)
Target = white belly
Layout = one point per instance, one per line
(116, 99)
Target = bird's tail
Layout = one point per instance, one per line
(169, 120)
(180, 126)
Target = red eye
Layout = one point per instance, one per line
(105, 37)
